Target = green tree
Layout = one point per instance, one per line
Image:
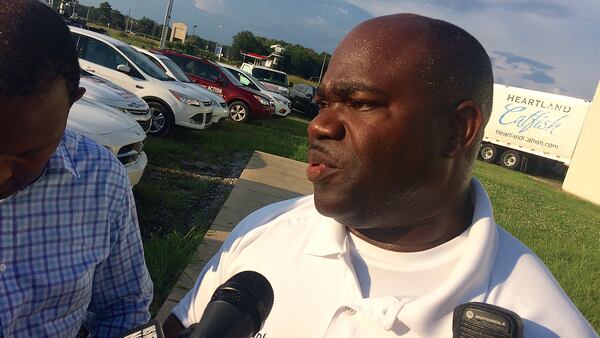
(104, 12)
(246, 42)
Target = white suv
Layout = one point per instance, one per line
(220, 110)
(170, 101)
(274, 80)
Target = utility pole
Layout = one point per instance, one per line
(74, 3)
(322, 67)
(165, 31)
(87, 18)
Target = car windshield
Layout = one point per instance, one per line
(251, 78)
(141, 61)
(230, 77)
(270, 76)
(174, 68)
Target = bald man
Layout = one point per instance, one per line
(398, 233)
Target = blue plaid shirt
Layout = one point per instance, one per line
(70, 249)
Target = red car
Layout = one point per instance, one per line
(244, 103)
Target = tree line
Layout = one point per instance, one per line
(297, 59)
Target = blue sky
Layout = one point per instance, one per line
(547, 45)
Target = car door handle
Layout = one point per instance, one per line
(89, 69)
(139, 87)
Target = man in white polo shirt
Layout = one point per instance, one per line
(397, 234)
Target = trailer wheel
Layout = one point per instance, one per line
(510, 159)
(488, 153)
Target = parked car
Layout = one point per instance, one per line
(244, 103)
(274, 80)
(167, 65)
(303, 99)
(114, 130)
(283, 106)
(99, 90)
(170, 102)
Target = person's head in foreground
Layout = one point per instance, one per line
(36, 95)
(403, 106)
(398, 235)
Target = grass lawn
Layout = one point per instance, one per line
(176, 204)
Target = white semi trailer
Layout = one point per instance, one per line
(528, 126)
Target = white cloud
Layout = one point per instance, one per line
(211, 6)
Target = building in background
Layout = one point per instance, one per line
(583, 177)
(179, 32)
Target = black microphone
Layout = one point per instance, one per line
(237, 309)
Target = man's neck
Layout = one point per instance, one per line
(425, 234)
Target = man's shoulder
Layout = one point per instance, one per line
(521, 282)
(292, 210)
(88, 155)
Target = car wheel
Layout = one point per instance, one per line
(162, 119)
(239, 112)
(488, 153)
(510, 159)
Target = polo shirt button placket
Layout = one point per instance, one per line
(2, 267)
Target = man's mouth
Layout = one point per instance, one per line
(320, 165)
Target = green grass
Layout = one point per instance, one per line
(561, 229)
(296, 79)
(175, 198)
(135, 40)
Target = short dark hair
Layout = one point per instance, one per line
(36, 49)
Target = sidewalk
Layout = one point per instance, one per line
(266, 179)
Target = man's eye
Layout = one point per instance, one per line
(361, 105)
(322, 104)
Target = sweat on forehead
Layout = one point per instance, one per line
(447, 59)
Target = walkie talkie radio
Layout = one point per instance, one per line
(481, 320)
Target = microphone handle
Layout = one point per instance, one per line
(223, 320)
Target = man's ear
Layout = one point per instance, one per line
(464, 123)
(80, 93)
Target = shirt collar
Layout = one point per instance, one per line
(329, 239)
(64, 155)
(469, 279)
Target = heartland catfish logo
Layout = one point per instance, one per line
(526, 113)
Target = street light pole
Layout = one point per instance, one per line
(163, 36)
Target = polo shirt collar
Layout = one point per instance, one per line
(64, 155)
(468, 281)
(329, 239)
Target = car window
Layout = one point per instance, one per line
(300, 88)
(206, 71)
(244, 79)
(270, 76)
(99, 53)
(144, 64)
(154, 61)
(176, 70)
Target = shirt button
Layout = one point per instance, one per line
(2, 267)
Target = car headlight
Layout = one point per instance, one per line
(185, 99)
(262, 100)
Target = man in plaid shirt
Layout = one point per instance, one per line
(70, 246)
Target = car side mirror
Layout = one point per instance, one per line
(291, 84)
(222, 82)
(124, 69)
(309, 96)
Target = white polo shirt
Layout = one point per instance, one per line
(306, 257)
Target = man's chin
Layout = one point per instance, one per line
(331, 206)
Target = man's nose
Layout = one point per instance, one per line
(327, 125)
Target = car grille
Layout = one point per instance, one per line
(145, 125)
(202, 118)
(136, 112)
(223, 104)
(129, 154)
